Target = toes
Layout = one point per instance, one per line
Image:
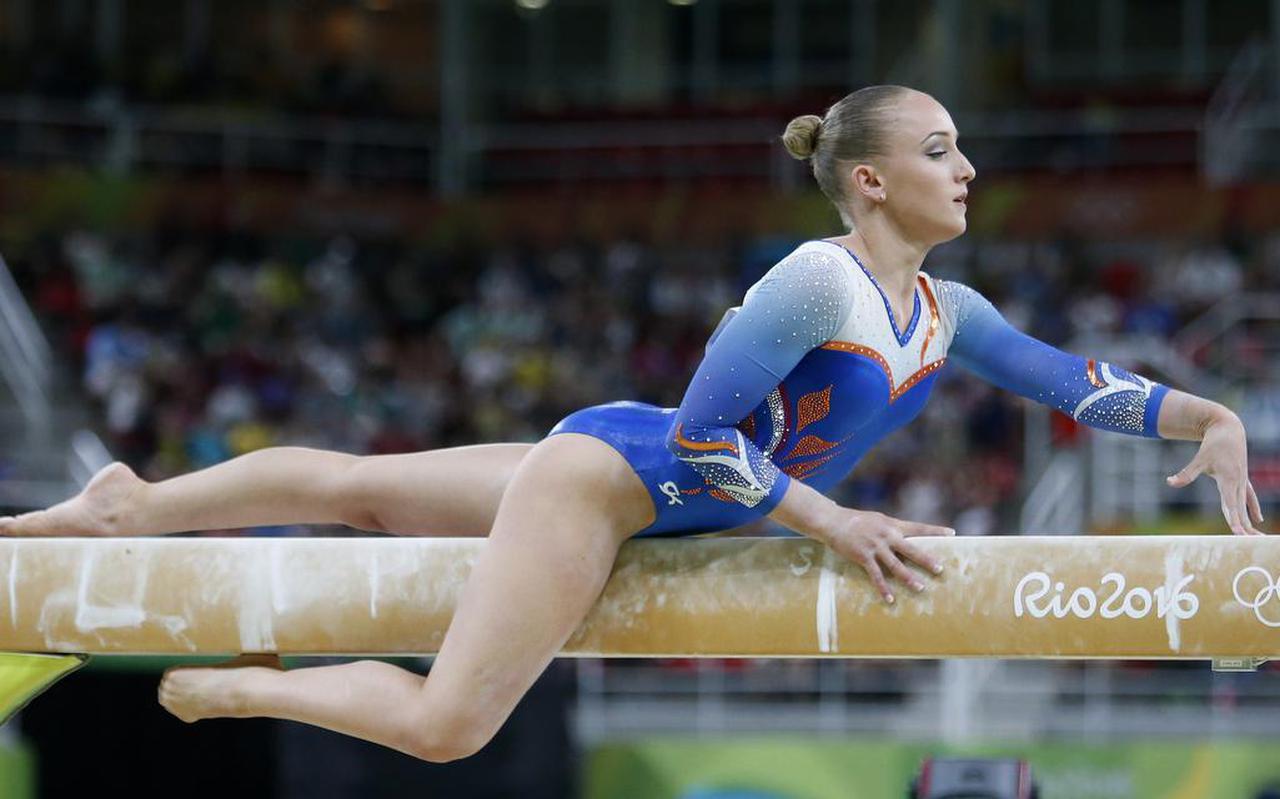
(29, 525)
(64, 519)
(171, 697)
(16, 525)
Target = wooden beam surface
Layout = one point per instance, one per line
(1038, 597)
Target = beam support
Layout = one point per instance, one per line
(1184, 597)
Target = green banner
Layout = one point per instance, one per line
(822, 768)
(24, 676)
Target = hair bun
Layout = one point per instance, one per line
(801, 136)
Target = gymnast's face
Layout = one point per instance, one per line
(922, 180)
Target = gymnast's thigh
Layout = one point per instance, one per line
(683, 503)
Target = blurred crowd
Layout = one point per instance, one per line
(196, 348)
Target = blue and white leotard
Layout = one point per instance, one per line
(812, 370)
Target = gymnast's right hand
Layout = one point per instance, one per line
(878, 543)
(874, 541)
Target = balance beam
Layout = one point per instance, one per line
(1183, 597)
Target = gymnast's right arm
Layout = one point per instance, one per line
(797, 306)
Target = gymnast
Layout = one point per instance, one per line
(837, 346)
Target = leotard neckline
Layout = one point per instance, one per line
(903, 337)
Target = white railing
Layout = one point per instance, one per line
(25, 356)
(1056, 504)
(27, 366)
(88, 455)
(1229, 132)
(1127, 477)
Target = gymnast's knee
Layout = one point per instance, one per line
(446, 747)
(355, 498)
(443, 737)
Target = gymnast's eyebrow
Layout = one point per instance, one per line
(936, 133)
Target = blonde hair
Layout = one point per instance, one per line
(852, 131)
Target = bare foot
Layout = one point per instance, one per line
(204, 692)
(103, 508)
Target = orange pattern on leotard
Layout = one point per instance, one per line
(813, 407)
(748, 427)
(933, 316)
(849, 346)
(802, 470)
(809, 445)
(1092, 368)
(894, 393)
(700, 445)
(916, 378)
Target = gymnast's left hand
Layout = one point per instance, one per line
(1224, 456)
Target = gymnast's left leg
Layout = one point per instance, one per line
(571, 503)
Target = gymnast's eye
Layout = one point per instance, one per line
(937, 154)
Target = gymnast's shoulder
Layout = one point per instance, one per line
(956, 302)
(815, 271)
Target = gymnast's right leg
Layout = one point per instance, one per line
(452, 491)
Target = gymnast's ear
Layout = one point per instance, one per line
(865, 181)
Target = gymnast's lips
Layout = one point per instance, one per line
(962, 199)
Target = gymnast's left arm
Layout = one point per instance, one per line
(1105, 396)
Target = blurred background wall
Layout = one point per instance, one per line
(395, 225)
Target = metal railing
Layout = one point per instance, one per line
(127, 138)
(142, 138)
(1217, 322)
(922, 700)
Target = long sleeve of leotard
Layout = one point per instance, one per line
(797, 306)
(1095, 393)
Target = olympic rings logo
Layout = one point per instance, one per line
(1266, 596)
